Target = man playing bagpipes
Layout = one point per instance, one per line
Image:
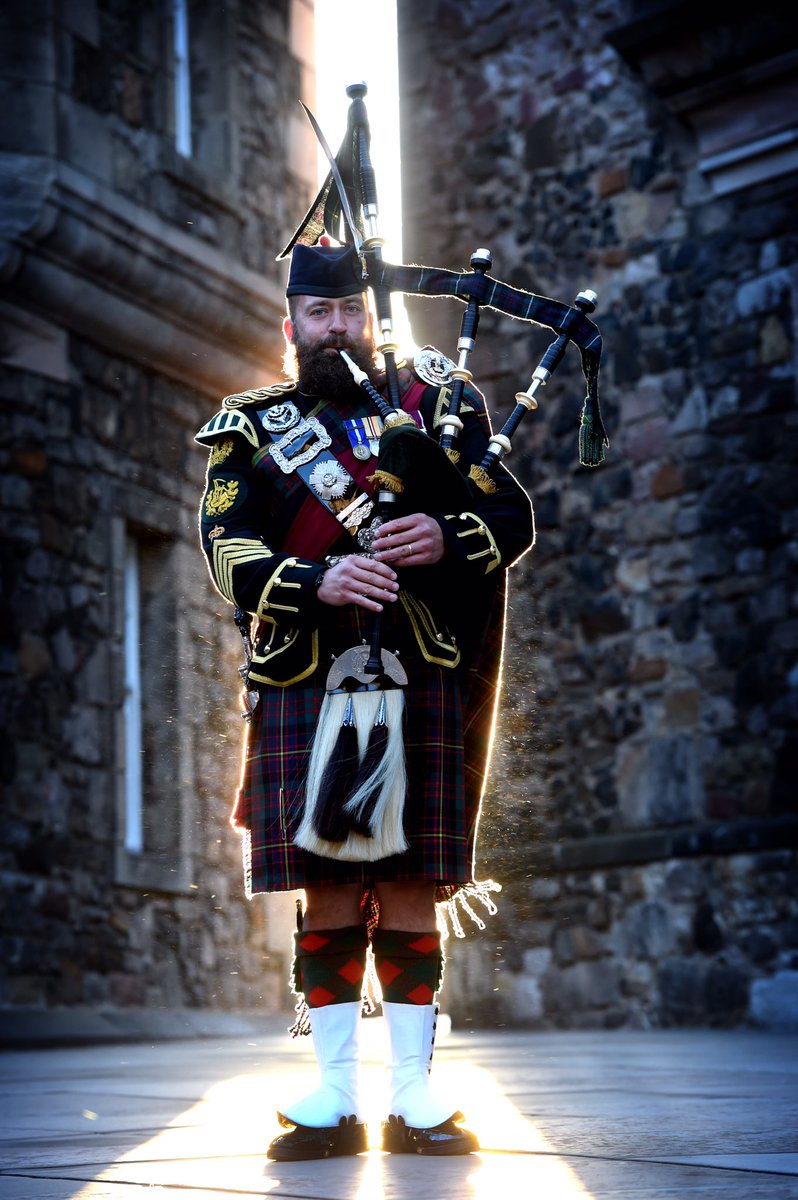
(360, 517)
(277, 550)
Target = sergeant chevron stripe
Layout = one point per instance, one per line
(231, 553)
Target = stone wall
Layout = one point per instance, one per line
(642, 814)
(139, 285)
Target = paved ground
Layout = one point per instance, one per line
(632, 1116)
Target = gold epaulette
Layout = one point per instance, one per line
(277, 391)
(225, 423)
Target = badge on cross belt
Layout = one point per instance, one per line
(330, 479)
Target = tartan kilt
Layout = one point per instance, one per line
(448, 722)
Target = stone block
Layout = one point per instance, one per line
(648, 931)
(647, 440)
(707, 931)
(581, 988)
(766, 293)
(636, 978)
(632, 574)
(726, 993)
(668, 480)
(681, 991)
(536, 962)
(611, 180)
(725, 403)
(33, 656)
(521, 998)
(659, 781)
(682, 709)
(774, 1001)
(575, 943)
(29, 121)
(85, 139)
(83, 735)
(775, 344)
(127, 990)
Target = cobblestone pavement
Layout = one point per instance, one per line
(559, 1116)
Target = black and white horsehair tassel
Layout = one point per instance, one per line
(362, 813)
(335, 786)
(376, 797)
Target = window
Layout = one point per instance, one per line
(153, 804)
(182, 78)
(134, 816)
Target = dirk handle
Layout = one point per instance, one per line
(481, 262)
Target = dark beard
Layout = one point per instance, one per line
(323, 374)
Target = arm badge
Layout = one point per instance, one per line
(221, 497)
(220, 452)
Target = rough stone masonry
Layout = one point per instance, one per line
(643, 812)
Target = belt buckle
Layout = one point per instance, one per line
(306, 425)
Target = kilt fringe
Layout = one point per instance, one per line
(481, 891)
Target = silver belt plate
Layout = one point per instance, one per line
(289, 462)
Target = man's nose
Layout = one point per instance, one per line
(336, 323)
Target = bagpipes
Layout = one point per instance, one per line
(356, 781)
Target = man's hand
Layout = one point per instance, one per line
(413, 541)
(358, 580)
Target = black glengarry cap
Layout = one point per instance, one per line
(324, 271)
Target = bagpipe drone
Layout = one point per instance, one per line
(356, 783)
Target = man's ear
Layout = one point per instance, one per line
(288, 330)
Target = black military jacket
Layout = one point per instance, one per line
(251, 503)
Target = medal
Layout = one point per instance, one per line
(364, 436)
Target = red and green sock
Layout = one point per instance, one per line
(329, 964)
(409, 966)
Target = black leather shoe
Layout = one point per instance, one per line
(305, 1142)
(446, 1138)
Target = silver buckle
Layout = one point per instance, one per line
(306, 425)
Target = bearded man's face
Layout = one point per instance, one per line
(319, 327)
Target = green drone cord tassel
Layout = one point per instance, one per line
(592, 437)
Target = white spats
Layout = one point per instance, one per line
(336, 1040)
(411, 1035)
